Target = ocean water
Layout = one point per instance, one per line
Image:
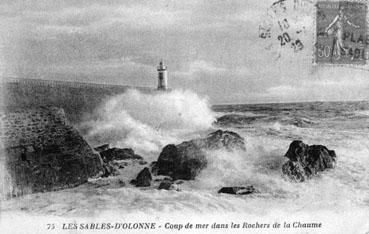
(146, 122)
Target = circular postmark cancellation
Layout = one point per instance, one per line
(283, 28)
(341, 33)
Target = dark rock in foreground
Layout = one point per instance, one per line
(143, 178)
(238, 190)
(186, 160)
(118, 154)
(305, 161)
(43, 152)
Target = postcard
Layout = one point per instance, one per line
(168, 116)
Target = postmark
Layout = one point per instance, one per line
(341, 33)
(282, 29)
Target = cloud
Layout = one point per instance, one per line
(199, 67)
(215, 44)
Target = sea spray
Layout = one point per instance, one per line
(333, 197)
(148, 121)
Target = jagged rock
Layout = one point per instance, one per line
(143, 178)
(119, 154)
(238, 190)
(101, 148)
(224, 139)
(186, 160)
(305, 161)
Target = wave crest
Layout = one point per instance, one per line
(148, 121)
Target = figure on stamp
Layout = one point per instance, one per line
(338, 22)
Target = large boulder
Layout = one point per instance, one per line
(305, 161)
(118, 154)
(186, 160)
(67, 162)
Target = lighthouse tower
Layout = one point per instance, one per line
(162, 76)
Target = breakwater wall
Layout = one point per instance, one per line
(75, 98)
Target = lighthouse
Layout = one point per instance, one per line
(162, 76)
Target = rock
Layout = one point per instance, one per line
(119, 154)
(143, 178)
(238, 190)
(142, 162)
(294, 171)
(45, 165)
(161, 178)
(101, 148)
(224, 139)
(186, 160)
(166, 185)
(305, 161)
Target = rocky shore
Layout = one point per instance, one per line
(176, 164)
(185, 161)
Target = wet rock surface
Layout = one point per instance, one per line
(118, 154)
(143, 178)
(238, 190)
(166, 185)
(67, 162)
(186, 160)
(305, 161)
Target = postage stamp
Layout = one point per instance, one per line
(341, 33)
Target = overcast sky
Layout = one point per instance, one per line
(211, 47)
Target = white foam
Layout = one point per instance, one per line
(148, 121)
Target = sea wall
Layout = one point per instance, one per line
(77, 99)
(41, 151)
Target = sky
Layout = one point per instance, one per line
(211, 47)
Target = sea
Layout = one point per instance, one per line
(337, 198)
